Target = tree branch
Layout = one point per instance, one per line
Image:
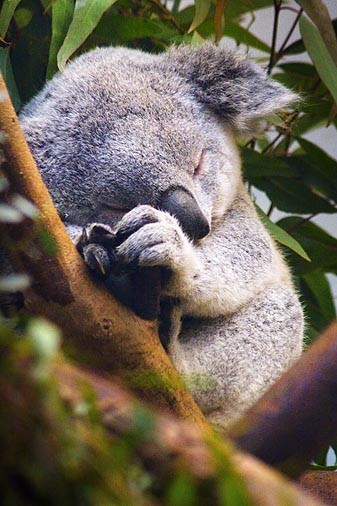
(297, 417)
(178, 443)
(96, 325)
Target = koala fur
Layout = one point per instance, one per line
(119, 129)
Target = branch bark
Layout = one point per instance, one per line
(179, 443)
(322, 484)
(297, 417)
(96, 325)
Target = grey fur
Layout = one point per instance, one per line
(119, 128)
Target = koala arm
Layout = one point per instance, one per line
(230, 266)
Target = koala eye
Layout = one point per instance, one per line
(198, 170)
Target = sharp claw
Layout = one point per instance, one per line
(100, 264)
(84, 234)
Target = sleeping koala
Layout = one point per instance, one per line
(138, 152)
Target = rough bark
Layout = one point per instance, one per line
(322, 484)
(179, 443)
(96, 325)
(297, 417)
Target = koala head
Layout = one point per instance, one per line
(121, 127)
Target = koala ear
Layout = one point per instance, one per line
(234, 88)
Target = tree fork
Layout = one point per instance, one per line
(101, 329)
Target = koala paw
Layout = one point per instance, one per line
(148, 237)
(96, 246)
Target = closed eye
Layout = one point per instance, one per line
(113, 206)
(199, 169)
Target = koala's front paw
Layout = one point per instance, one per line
(148, 237)
(96, 246)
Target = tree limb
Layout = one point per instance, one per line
(322, 484)
(297, 417)
(177, 443)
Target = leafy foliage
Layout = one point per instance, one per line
(38, 36)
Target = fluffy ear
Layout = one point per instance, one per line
(237, 90)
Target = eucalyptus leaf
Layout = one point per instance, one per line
(320, 55)
(87, 14)
(118, 29)
(320, 246)
(29, 54)
(324, 163)
(280, 235)
(7, 73)
(6, 14)
(258, 165)
(320, 288)
(201, 12)
(62, 14)
(293, 195)
(319, 14)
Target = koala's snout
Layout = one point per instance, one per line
(181, 204)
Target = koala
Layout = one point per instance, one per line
(139, 154)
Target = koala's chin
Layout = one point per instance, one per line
(152, 136)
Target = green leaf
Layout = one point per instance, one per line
(318, 12)
(293, 195)
(314, 177)
(326, 165)
(87, 14)
(297, 47)
(201, 12)
(62, 13)
(181, 491)
(236, 9)
(258, 165)
(29, 54)
(319, 245)
(243, 36)
(320, 55)
(7, 73)
(280, 235)
(318, 303)
(118, 29)
(320, 288)
(6, 14)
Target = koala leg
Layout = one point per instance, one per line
(229, 362)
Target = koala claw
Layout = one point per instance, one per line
(96, 246)
(97, 259)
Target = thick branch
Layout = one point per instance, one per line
(94, 323)
(297, 417)
(323, 484)
(176, 443)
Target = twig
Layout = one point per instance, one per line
(291, 31)
(277, 7)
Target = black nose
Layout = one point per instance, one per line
(184, 207)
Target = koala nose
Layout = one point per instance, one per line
(181, 204)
